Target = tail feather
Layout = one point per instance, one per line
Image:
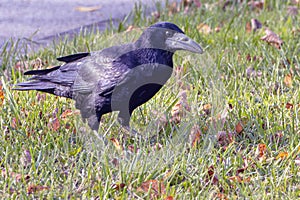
(35, 85)
(41, 72)
(47, 80)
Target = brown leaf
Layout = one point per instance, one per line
(297, 161)
(37, 63)
(292, 10)
(36, 188)
(253, 73)
(204, 28)
(239, 127)
(178, 109)
(239, 179)
(25, 159)
(272, 38)
(54, 124)
(248, 27)
(262, 148)
(1, 96)
(119, 186)
(289, 106)
(116, 143)
(282, 155)
(15, 123)
(87, 8)
(221, 196)
(245, 166)
(14, 175)
(217, 29)
(288, 80)
(157, 188)
(169, 198)
(256, 4)
(224, 138)
(195, 135)
(173, 8)
(207, 108)
(67, 113)
(212, 177)
(21, 66)
(255, 24)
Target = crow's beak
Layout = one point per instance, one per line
(180, 41)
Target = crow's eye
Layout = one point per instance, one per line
(168, 33)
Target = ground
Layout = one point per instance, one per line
(226, 126)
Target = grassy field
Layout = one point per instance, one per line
(225, 126)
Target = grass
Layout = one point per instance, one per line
(46, 155)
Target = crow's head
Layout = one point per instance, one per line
(167, 36)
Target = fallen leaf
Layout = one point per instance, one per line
(288, 80)
(54, 124)
(239, 128)
(292, 10)
(224, 138)
(255, 24)
(261, 151)
(118, 186)
(239, 179)
(207, 108)
(14, 175)
(66, 113)
(116, 143)
(256, 4)
(15, 123)
(253, 73)
(204, 28)
(178, 109)
(37, 63)
(1, 96)
(195, 135)
(87, 8)
(36, 188)
(297, 161)
(221, 196)
(169, 198)
(282, 155)
(272, 38)
(217, 29)
(156, 15)
(157, 147)
(289, 106)
(25, 158)
(212, 177)
(173, 8)
(157, 188)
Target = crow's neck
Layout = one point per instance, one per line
(151, 55)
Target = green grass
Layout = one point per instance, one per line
(73, 162)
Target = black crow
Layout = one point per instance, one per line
(118, 78)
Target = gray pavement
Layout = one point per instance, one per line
(43, 20)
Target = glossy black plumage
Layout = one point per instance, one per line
(119, 78)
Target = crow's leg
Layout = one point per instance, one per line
(124, 121)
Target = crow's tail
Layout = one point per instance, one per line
(44, 81)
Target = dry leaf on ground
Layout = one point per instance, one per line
(288, 80)
(204, 28)
(195, 135)
(1, 96)
(282, 155)
(87, 8)
(157, 188)
(239, 127)
(292, 10)
(272, 38)
(36, 188)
